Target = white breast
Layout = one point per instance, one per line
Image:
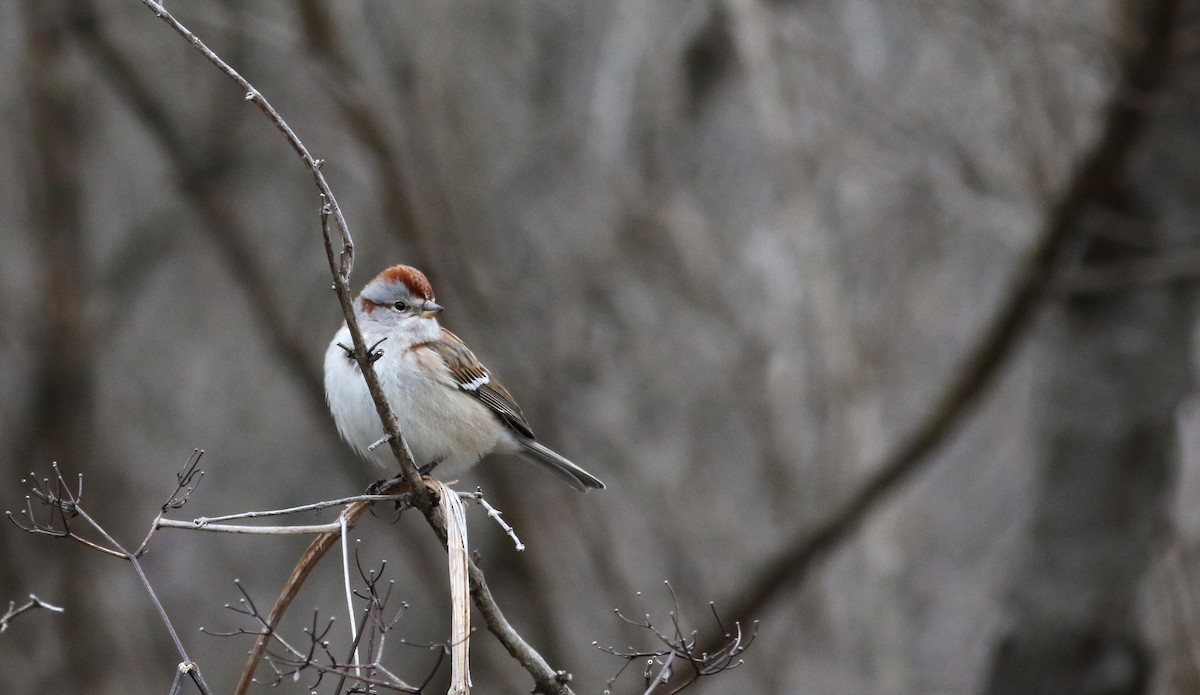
(439, 422)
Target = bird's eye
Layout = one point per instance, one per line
(400, 305)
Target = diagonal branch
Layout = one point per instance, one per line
(365, 117)
(1144, 74)
(65, 503)
(32, 604)
(196, 180)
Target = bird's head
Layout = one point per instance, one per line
(400, 297)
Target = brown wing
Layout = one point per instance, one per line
(474, 378)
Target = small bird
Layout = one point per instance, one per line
(451, 410)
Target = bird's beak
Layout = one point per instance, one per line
(430, 309)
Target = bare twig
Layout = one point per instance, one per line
(197, 181)
(494, 514)
(300, 530)
(64, 504)
(187, 665)
(32, 604)
(1166, 269)
(312, 507)
(187, 480)
(308, 561)
(546, 680)
(1144, 74)
(206, 523)
(678, 663)
(314, 654)
(367, 119)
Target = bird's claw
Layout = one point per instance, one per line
(373, 352)
(378, 487)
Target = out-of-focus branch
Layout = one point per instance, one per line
(546, 679)
(59, 422)
(1143, 75)
(197, 182)
(362, 114)
(1167, 269)
(366, 116)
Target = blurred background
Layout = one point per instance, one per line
(875, 316)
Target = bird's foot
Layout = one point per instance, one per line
(379, 486)
(373, 352)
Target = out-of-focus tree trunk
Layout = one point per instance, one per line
(1115, 366)
(59, 424)
(1115, 370)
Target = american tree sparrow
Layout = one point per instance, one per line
(451, 410)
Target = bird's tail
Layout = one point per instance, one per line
(575, 476)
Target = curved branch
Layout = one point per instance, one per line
(196, 181)
(365, 119)
(1143, 76)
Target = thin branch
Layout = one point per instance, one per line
(494, 514)
(1144, 75)
(187, 666)
(187, 480)
(401, 500)
(32, 604)
(308, 561)
(312, 507)
(366, 119)
(679, 647)
(546, 680)
(317, 655)
(64, 504)
(196, 180)
(301, 530)
(61, 503)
